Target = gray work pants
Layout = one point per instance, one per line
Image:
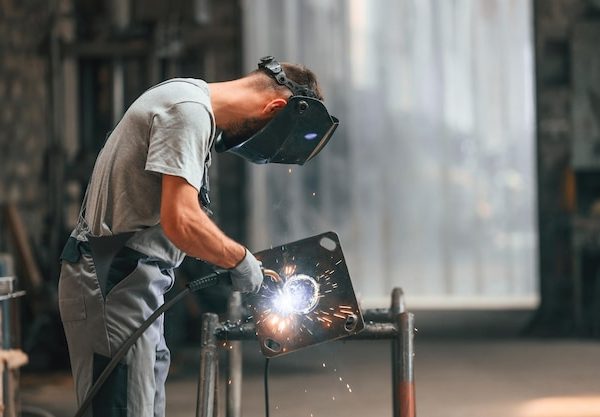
(97, 322)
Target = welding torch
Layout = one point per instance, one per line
(219, 276)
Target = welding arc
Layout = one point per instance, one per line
(219, 276)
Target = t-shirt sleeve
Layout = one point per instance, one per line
(179, 142)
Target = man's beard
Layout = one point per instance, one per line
(238, 132)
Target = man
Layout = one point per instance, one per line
(143, 212)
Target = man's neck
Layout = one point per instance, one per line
(232, 100)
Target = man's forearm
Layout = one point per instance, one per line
(196, 234)
(190, 229)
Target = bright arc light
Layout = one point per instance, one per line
(299, 295)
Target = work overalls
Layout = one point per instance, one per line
(106, 291)
(108, 287)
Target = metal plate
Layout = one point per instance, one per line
(312, 301)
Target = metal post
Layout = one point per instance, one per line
(234, 361)
(402, 358)
(209, 362)
(402, 366)
(398, 305)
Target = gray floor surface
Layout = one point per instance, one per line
(475, 374)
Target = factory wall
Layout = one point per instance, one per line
(430, 178)
(568, 131)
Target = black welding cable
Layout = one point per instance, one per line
(266, 379)
(195, 285)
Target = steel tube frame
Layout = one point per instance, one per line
(394, 324)
(234, 361)
(247, 331)
(209, 363)
(403, 389)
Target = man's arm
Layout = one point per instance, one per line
(191, 230)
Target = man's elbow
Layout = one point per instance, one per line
(175, 226)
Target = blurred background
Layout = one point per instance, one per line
(466, 170)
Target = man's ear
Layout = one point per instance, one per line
(273, 107)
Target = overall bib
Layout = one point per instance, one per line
(106, 291)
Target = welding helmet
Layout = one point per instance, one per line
(295, 135)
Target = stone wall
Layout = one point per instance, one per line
(24, 119)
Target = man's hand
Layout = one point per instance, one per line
(248, 275)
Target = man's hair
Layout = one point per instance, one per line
(297, 73)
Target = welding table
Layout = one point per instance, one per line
(394, 324)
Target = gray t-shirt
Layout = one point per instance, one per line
(168, 130)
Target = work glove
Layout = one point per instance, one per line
(248, 275)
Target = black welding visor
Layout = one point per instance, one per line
(295, 135)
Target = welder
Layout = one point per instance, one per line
(146, 207)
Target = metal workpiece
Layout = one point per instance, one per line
(306, 297)
(209, 362)
(234, 361)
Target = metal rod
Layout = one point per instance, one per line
(234, 361)
(377, 315)
(209, 358)
(398, 305)
(403, 368)
(247, 331)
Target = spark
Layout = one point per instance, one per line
(314, 194)
(289, 270)
(340, 379)
(290, 170)
(323, 364)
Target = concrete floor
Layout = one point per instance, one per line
(499, 375)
